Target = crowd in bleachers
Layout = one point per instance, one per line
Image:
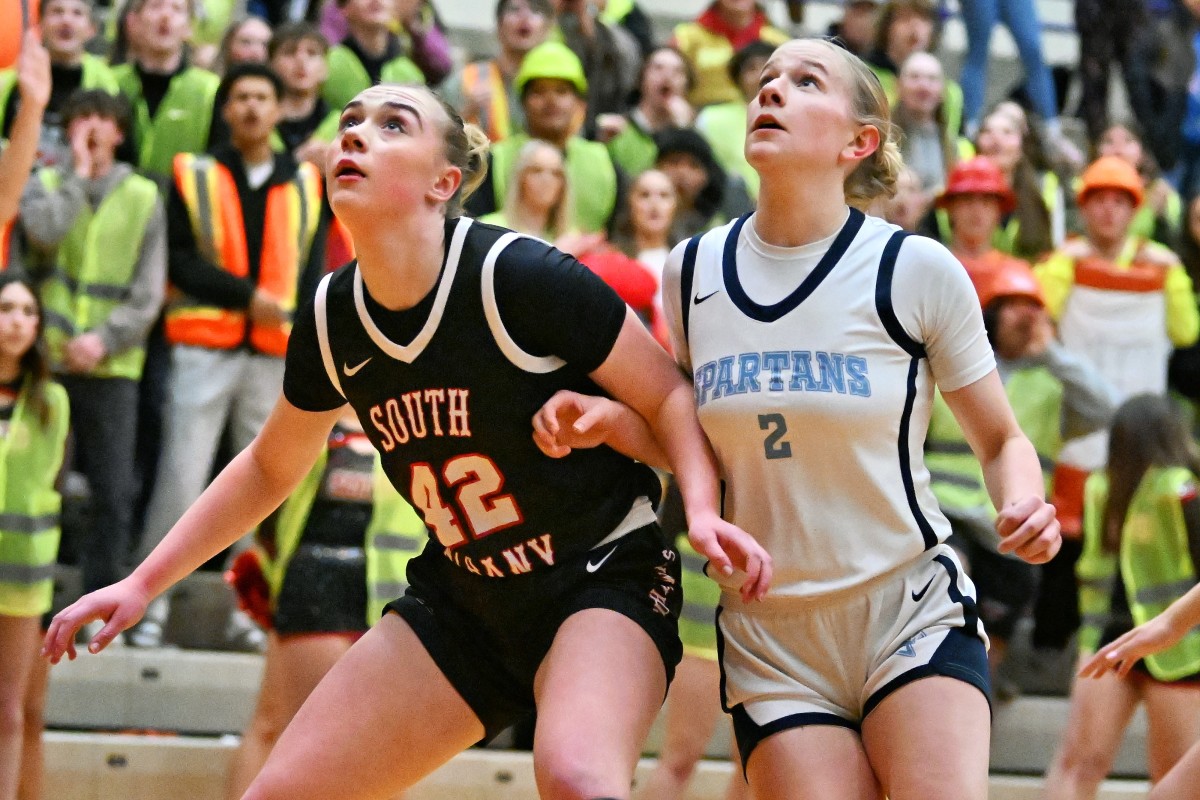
(172, 220)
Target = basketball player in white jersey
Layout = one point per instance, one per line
(545, 583)
(815, 336)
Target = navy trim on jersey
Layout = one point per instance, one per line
(970, 612)
(887, 315)
(771, 313)
(961, 656)
(687, 275)
(883, 297)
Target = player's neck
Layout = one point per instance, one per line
(794, 212)
(400, 263)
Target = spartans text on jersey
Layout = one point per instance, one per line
(782, 370)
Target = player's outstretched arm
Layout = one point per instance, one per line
(640, 374)
(1026, 523)
(253, 485)
(1152, 636)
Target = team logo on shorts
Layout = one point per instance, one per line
(909, 648)
(666, 586)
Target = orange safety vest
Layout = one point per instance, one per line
(494, 119)
(292, 215)
(5, 243)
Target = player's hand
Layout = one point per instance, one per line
(1119, 656)
(727, 547)
(119, 606)
(1029, 529)
(33, 70)
(570, 420)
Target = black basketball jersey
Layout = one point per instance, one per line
(447, 391)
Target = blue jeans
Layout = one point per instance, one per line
(1020, 17)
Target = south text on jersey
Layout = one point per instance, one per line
(421, 413)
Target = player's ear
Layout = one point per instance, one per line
(446, 185)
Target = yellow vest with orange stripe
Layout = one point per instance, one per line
(215, 210)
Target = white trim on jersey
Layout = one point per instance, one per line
(322, 318)
(512, 351)
(409, 352)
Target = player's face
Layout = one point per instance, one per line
(301, 66)
(652, 203)
(801, 115)
(66, 27)
(18, 321)
(389, 153)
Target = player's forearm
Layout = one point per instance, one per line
(1013, 472)
(632, 436)
(688, 452)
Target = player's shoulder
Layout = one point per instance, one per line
(511, 250)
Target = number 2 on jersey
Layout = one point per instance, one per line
(478, 498)
(773, 448)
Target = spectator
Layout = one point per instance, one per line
(321, 563)
(856, 29)
(172, 100)
(1161, 216)
(1021, 18)
(610, 57)
(33, 415)
(1120, 302)
(1189, 147)
(297, 54)
(976, 199)
(416, 24)
(1054, 395)
(1141, 544)
(483, 91)
(1111, 31)
(632, 19)
(370, 53)
(553, 93)
(723, 125)
(908, 206)
(708, 197)
(102, 228)
(710, 41)
(539, 199)
(662, 103)
(926, 143)
(1038, 222)
(239, 281)
(1183, 373)
(245, 42)
(66, 26)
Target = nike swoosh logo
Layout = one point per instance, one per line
(700, 300)
(350, 371)
(916, 596)
(593, 567)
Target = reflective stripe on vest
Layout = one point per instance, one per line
(95, 266)
(494, 116)
(215, 211)
(1154, 559)
(30, 458)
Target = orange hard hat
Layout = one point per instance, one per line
(978, 175)
(1014, 279)
(1111, 172)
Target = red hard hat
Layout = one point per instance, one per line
(978, 175)
(1014, 279)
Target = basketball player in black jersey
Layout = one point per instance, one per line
(545, 582)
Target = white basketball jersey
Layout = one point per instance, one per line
(814, 369)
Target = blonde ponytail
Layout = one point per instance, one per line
(475, 169)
